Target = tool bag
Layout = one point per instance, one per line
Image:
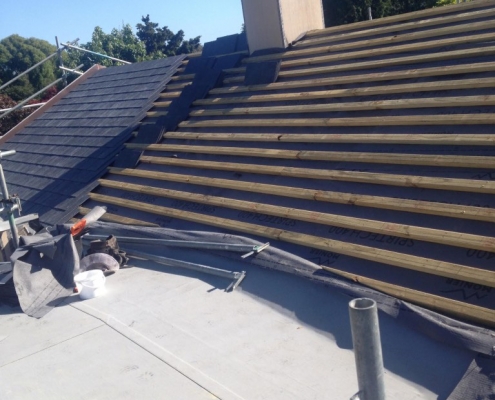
(110, 247)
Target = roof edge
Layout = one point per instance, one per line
(50, 103)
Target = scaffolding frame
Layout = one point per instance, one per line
(65, 47)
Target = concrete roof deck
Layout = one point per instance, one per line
(162, 333)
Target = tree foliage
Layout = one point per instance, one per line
(149, 43)
(162, 42)
(17, 54)
(119, 43)
(338, 12)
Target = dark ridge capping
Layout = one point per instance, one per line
(226, 45)
(149, 134)
(223, 53)
(242, 43)
(127, 158)
(262, 73)
(130, 158)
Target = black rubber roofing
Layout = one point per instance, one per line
(62, 153)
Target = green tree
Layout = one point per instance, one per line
(338, 12)
(17, 54)
(120, 43)
(162, 42)
(150, 42)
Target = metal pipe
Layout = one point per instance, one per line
(93, 52)
(28, 106)
(72, 70)
(5, 193)
(367, 348)
(28, 70)
(34, 95)
(29, 98)
(241, 248)
(7, 153)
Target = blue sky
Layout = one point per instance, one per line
(45, 19)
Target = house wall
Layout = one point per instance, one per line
(276, 23)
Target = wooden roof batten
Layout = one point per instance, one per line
(424, 99)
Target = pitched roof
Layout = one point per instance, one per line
(372, 154)
(65, 149)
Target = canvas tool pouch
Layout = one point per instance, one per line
(110, 247)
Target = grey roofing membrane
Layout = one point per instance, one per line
(62, 153)
(166, 333)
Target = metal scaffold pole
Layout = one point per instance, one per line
(367, 349)
(7, 201)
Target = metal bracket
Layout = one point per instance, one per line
(256, 250)
(16, 200)
(237, 282)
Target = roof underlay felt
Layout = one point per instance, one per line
(61, 153)
(372, 154)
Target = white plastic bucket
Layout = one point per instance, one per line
(90, 284)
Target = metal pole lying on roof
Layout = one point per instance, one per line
(93, 52)
(237, 277)
(367, 349)
(241, 248)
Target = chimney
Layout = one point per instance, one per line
(274, 24)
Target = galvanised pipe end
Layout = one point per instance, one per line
(362, 304)
(366, 342)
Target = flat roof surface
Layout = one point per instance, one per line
(165, 333)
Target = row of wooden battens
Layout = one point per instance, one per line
(391, 258)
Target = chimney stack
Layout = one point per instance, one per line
(272, 24)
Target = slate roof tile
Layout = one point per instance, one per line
(63, 152)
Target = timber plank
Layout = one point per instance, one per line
(449, 238)
(417, 120)
(432, 102)
(166, 95)
(367, 53)
(341, 156)
(456, 308)
(388, 138)
(401, 260)
(363, 78)
(425, 182)
(153, 114)
(388, 203)
(367, 91)
(424, 23)
(183, 77)
(421, 58)
(430, 33)
(430, 12)
(162, 104)
(177, 86)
